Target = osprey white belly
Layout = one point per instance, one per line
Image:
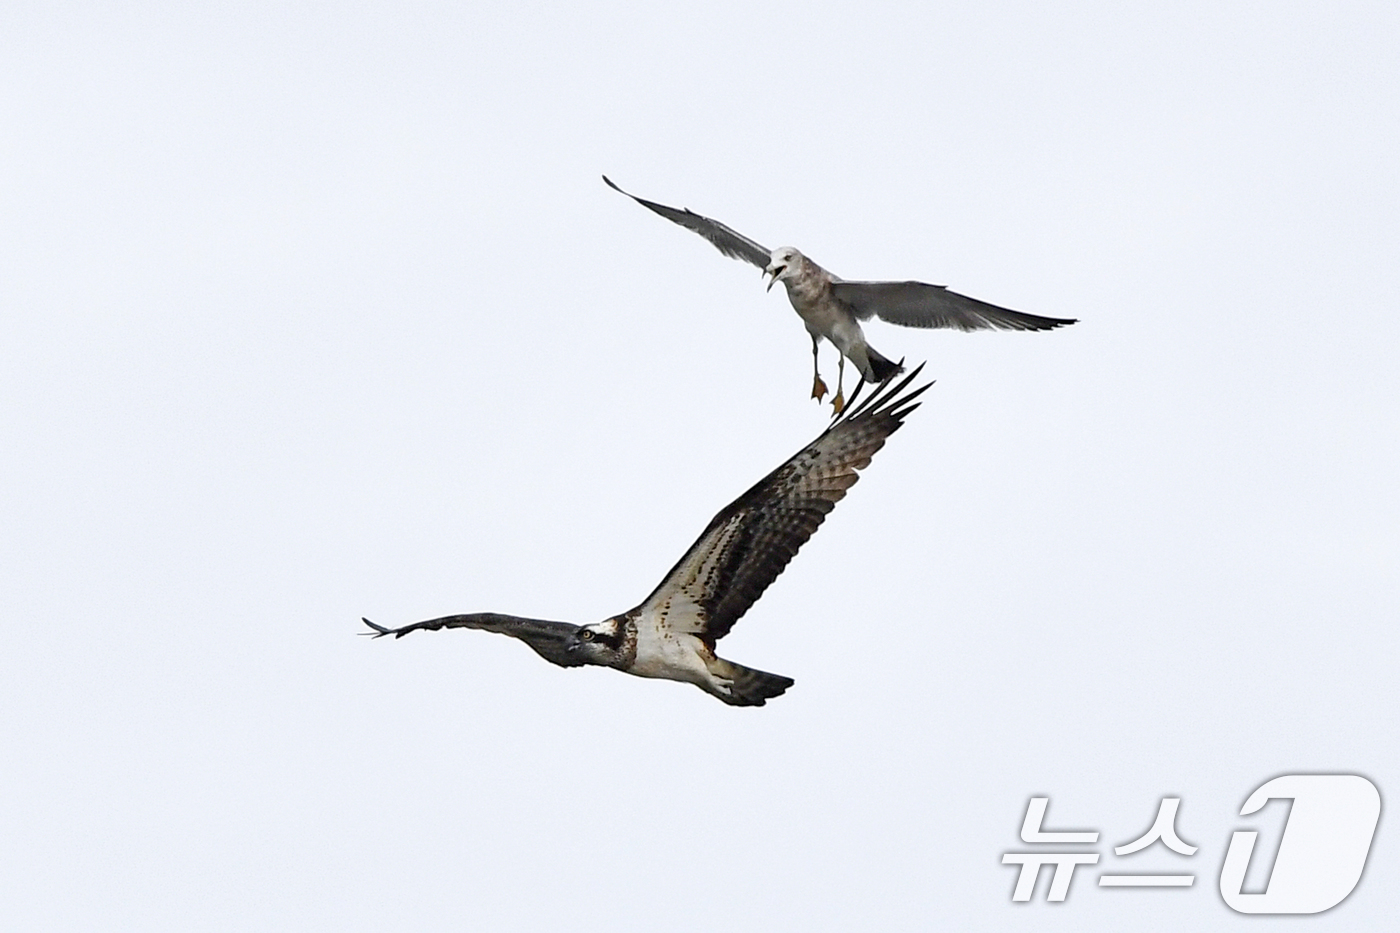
(671, 635)
(670, 655)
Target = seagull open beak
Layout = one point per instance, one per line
(774, 271)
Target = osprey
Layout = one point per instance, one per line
(832, 308)
(672, 634)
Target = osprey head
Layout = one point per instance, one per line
(599, 643)
(784, 263)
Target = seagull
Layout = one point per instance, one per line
(672, 634)
(833, 308)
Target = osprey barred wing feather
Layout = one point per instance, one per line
(672, 634)
(548, 639)
(749, 543)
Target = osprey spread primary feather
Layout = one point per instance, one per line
(672, 634)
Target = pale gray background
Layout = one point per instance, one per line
(313, 311)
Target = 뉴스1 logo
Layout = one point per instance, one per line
(1320, 857)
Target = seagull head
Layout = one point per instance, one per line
(783, 263)
(599, 643)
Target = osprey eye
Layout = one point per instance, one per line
(586, 635)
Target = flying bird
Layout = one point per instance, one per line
(672, 634)
(833, 308)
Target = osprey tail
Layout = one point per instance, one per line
(747, 687)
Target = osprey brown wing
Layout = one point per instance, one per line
(750, 541)
(548, 639)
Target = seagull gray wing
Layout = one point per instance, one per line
(918, 304)
(729, 242)
(547, 638)
(749, 543)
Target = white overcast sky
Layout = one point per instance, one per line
(313, 311)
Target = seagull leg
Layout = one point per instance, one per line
(818, 387)
(839, 402)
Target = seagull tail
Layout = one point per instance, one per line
(880, 368)
(747, 686)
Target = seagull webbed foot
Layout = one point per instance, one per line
(838, 403)
(819, 389)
